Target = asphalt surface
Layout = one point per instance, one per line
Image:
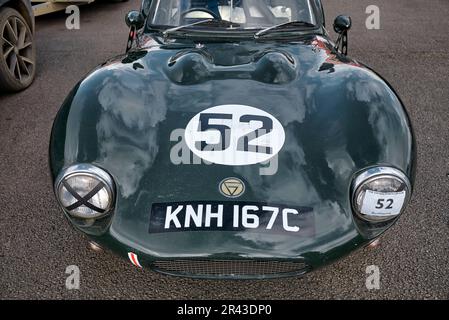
(37, 244)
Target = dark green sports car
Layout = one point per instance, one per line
(233, 140)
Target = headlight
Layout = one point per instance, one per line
(380, 194)
(85, 191)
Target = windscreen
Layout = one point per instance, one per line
(245, 14)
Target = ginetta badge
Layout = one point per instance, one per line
(232, 187)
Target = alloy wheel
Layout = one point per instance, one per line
(17, 49)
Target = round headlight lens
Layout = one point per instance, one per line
(85, 191)
(380, 194)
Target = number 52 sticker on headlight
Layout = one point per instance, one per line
(383, 203)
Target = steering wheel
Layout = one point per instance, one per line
(213, 14)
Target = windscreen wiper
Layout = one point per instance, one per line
(284, 26)
(207, 22)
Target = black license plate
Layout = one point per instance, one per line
(231, 216)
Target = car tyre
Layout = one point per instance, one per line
(17, 52)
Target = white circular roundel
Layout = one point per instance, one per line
(234, 135)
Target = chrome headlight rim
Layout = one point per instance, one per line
(93, 171)
(374, 173)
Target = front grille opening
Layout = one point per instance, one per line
(229, 268)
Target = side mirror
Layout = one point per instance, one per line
(135, 19)
(342, 24)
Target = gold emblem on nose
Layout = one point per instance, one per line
(232, 187)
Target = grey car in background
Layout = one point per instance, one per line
(17, 49)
